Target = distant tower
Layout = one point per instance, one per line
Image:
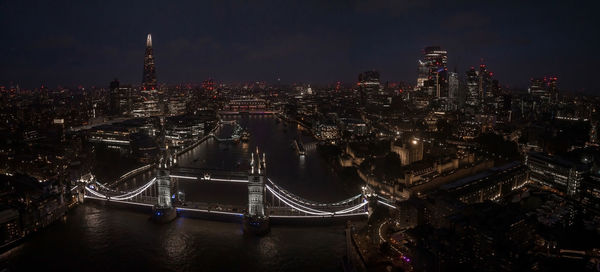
(149, 80)
(256, 220)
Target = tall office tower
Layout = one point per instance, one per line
(368, 84)
(422, 74)
(369, 80)
(472, 82)
(149, 79)
(483, 81)
(432, 71)
(546, 89)
(452, 85)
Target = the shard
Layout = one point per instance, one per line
(149, 79)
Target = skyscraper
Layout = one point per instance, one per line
(472, 80)
(453, 85)
(432, 71)
(149, 79)
(368, 84)
(546, 89)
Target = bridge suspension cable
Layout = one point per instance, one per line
(312, 203)
(385, 202)
(291, 203)
(125, 196)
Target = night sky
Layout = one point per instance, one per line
(91, 42)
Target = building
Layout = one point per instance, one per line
(355, 127)
(544, 89)
(328, 130)
(111, 135)
(555, 173)
(453, 85)
(120, 99)
(491, 184)
(246, 105)
(368, 84)
(484, 82)
(472, 81)
(409, 151)
(149, 79)
(590, 192)
(10, 227)
(369, 80)
(432, 71)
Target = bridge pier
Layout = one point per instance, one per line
(163, 211)
(256, 220)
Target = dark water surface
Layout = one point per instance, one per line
(98, 238)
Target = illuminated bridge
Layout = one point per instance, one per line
(266, 199)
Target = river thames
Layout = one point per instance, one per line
(93, 237)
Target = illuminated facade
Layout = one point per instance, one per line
(149, 80)
(409, 151)
(555, 173)
(546, 89)
(472, 81)
(163, 183)
(256, 185)
(432, 71)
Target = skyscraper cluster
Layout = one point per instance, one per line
(480, 85)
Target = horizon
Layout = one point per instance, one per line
(73, 44)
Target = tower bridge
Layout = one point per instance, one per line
(267, 200)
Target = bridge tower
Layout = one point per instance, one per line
(256, 220)
(163, 210)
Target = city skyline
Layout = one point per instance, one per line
(367, 136)
(335, 43)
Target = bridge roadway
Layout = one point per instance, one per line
(281, 204)
(225, 212)
(197, 173)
